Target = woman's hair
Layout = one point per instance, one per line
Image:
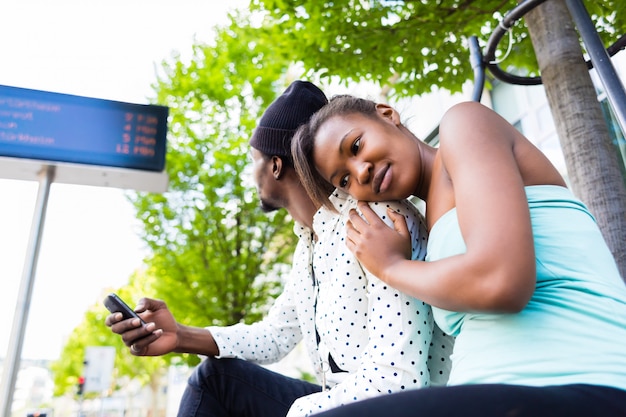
(303, 143)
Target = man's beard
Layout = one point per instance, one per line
(267, 207)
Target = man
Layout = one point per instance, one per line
(363, 337)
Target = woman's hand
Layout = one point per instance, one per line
(376, 245)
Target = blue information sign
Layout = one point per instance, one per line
(67, 128)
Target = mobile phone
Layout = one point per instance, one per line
(115, 304)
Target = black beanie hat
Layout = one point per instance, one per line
(282, 118)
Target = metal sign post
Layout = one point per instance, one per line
(14, 352)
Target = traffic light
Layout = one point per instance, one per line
(81, 385)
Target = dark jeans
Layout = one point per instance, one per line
(233, 387)
(492, 400)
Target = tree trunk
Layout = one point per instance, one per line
(590, 157)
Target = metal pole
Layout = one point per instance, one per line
(14, 351)
(476, 59)
(600, 60)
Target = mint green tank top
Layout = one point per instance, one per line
(573, 330)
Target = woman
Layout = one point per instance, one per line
(516, 266)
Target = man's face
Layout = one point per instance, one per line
(265, 177)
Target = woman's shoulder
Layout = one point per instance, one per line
(465, 110)
(471, 128)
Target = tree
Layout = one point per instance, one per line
(216, 258)
(416, 45)
(591, 159)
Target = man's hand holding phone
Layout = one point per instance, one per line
(149, 330)
(115, 304)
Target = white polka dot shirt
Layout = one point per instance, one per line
(383, 340)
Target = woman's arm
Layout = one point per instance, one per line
(497, 272)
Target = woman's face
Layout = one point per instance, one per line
(372, 159)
